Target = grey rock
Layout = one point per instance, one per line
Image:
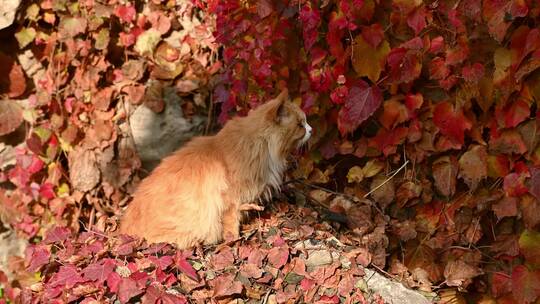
(157, 135)
(8, 8)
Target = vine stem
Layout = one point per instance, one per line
(388, 179)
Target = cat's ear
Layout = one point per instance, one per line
(278, 110)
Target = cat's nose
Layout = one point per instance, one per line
(308, 129)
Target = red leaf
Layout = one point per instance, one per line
(264, 8)
(499, 14)
(57, 234)
(336, 27)
(99, 271)
(436, 45)
(310, 18)
(36, 256)
(534, 182)
(452, 122)
(387, 141)
(514, 184)
(162, 262)
(513, 114)
(404, 65)
(66, 277)
(47, 191)
(473, 73)
(127, 289)
(113, 281)
(223, 259)
(501, 284)
(438, 69)
(225, 286)
(126, 13)
(278, 256)
(525, 287)
(417, 19)
(361, 103)
(184, 266)
(373, 34)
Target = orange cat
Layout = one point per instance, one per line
(197, 194)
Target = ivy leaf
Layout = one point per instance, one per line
(128, 289)
(500, 14)
(404, 64)
(264, 8)
(451, 121)
(310, 18)
(514, 184)
(394, 113)
(417, 20)
(25, 36)
(225, 286)
(56, 235)
(445, 172)
(72, 26)
(473, 166)
(126, 13)
(278, 256)
(36, 256)
(457, 272)
(147, 42)
(473, 73)
(534, 182)
(66, 277)
(369, 61)
(501, 284)
(184, 266)
(508, 142)
(99, 271)
(360, 104)
(387, 141)
(11, 116)
(525, 287)
(529, 246)
(373, 34)
(513, 114)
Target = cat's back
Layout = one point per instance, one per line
(189, 181)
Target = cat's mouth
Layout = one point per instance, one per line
(307, 135)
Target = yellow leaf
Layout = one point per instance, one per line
(368, 61)
(355, 174)
(503, 60)
(372, 168)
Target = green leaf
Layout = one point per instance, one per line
(529, 245)
(102, 39)
(25, 36)
(32, 12)
(147, 42)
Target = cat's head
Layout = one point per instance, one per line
(285, 122)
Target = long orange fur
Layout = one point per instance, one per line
(196, 195)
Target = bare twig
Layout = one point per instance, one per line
(265, 300)
(387, 180)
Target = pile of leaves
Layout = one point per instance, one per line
(76, 71)
(272, 263)
(446, 91)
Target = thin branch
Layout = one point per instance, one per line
(387, 180)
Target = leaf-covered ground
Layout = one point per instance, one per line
(286, 255)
